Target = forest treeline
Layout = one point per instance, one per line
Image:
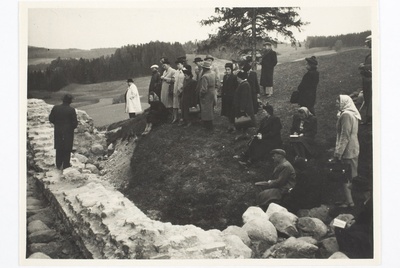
(348, 40)
(127, 61)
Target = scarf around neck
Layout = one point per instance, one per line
(346, 104)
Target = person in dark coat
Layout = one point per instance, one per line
(366, 74)
(268, 138)
(304, 126)
(229, 85)
(157, 113)
(64, 118)
(268, 63)
(283, 179)
(155, 81)
(253, 81)
(307, 192)
(243, 100)
(188, 98)
(308, 85)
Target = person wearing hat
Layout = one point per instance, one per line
(253, 81)
(282, 180)
(188, 98)
(198, 69)
(155, 81)
(186, 66)
(228, 88)
(207, 95)
(268, 63)
(215, 69)
(366, 74)
(167, 84)
(308, 85)
(132, 99)
(268, 137)
(243, 101)
(177, 78)
(64, 119)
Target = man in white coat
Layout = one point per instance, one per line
(132, 100)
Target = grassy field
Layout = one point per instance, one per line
(189, 175)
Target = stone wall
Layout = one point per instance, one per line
(106, 224)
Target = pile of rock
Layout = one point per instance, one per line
(278, 233)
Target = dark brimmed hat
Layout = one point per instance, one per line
(278, 151)
(67, 98)
(312, 60)
(229, 65)
(179, 61)
(187, 72)
(242, 75)
(267, 43)
(209, 57)
(129, 80)
(206, 65)
(197, 59)
(182, 58)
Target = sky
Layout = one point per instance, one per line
(116, 26)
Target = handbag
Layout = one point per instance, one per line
(338, 171)
(194, 109)
(243, 122)
(294, 98)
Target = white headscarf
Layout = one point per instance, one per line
(346, 104)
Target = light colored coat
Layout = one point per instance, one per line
(207, 95)
(178, 87)
(132, 97)
(166, 99)
(347, 145)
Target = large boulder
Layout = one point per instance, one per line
(73, 175)
(328, 246)
(38, 255)
(291, 248)
(92, 168)
(97, 149)
(321, 213)
(242, 234)
(46, 215)
(37, 225)
(43, 236)
(314, 227)
(285, 222)
(83, 159)
(272, 208)
(261, 230)
(254, 213)
(51, 249)
(338, 255)
(236, 247)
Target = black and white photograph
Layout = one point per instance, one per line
(189, 133)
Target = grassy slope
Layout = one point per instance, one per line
(189, 175)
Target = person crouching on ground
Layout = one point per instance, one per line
(303, 131)
(347, 147)
(64, 118)
(243, 102)
(283, 179)
(158, 113)
(207, 95)
(132, 99)
(268, 138)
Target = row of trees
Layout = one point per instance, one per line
(347, 40)
(127, 61)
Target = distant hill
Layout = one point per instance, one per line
(37, 55)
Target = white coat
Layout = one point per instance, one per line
(132, 98)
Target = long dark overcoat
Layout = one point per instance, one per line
(243, 100)
(228, 89)
(155, 83)
(65, 121)
(255, 88)
(207, 95)
(308, 89)
(268, 63)
(188, 98)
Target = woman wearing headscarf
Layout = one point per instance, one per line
(303, 131)
(347, 147)
(167, 80)
(268, 138)
(308, 85)
(229, 86)
(188, 98)
(243, 100)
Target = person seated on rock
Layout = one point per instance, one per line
(157, 113)
(303, 131)
(356, 239)
(282, 180)
(307, 192)
(268, 137)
